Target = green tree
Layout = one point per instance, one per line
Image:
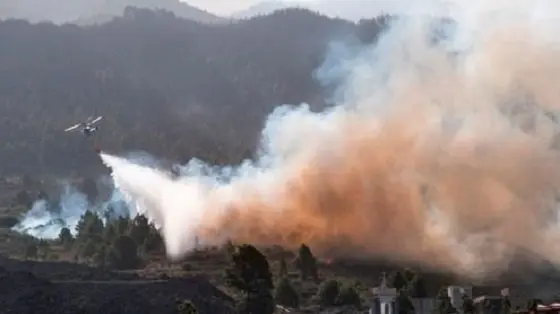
(250, 273)
(505, 306)
(405, 306)
(417, 287)
(89, 227)
(65, 238)
(348, 296)
(122, 225)
(110, 233)
(328, 292)
(154, 240)
(88, 249)
(398, 281)
(468, 305)
(140, 229)
(123, 254)
(306, 263)
(285, 294)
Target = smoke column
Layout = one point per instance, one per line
(441, 151)
(46, 218)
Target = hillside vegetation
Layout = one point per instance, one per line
(166, 85)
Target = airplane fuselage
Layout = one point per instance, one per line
(89, 130)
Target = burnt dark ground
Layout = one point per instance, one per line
(44, 287)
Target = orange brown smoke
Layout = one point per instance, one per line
(440, 157)
(374, 186)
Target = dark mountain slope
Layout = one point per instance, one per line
(166, 85)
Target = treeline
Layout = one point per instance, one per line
(120, 243)
(264, 281)
(166, 85)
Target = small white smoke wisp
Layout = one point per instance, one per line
(45, 220)
(39, 222)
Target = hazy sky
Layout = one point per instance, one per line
(225, 7)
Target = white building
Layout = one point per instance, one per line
(456, 294)
(384, 299)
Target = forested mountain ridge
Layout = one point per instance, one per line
(170, 86)
(95, 11)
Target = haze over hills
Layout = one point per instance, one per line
(90, 12)
(95, 11)
(267, 7)
(352, 10)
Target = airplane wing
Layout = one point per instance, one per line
(72, 128)
(96, 120)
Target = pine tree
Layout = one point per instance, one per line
(250, 273)
(398, 281)
(307, 263)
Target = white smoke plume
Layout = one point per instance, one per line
(46, 218)
(440, 151)
(45, 222)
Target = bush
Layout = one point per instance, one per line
(285, 294)
(328, 293)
